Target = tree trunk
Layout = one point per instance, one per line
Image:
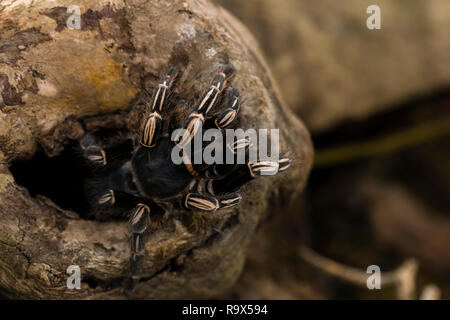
(53, 77)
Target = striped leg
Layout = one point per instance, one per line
(202, 197)
(92, 151)
(207, 101)
(139, 222)
(230, 111)
(222, 121)
(105, 150)
(247, 172)
(210, 203)
(235, 149)
(153, 121)
(107, 199)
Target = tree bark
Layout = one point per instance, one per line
(53, 77)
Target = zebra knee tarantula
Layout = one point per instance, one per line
(146, 180)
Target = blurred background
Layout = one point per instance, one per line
(377, 103)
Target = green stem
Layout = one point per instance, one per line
(383, 145)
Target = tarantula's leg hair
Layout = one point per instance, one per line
(210, 96)
(197, 201)
(207, 101)
(139, 223)
(245, 173)
(161, 94)
(284, 163)
(239, 144)
(210, 203)
(167, 208)
(152, 124)
(106, 150)
(150, 129)
(229, 200)
(92, 152)
(193, 124)
(230, 111)
(217, 171)
(107, 199)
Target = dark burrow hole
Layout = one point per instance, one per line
(70, 181)
(59, 178)
(91, 282)
(109, 284)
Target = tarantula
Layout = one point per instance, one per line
(145, 179)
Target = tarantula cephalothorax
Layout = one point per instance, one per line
(146, 178)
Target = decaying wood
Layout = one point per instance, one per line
(51, 77)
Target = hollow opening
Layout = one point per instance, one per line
(59, 178)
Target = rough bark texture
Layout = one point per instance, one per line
(331, 68)
(52, 77)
